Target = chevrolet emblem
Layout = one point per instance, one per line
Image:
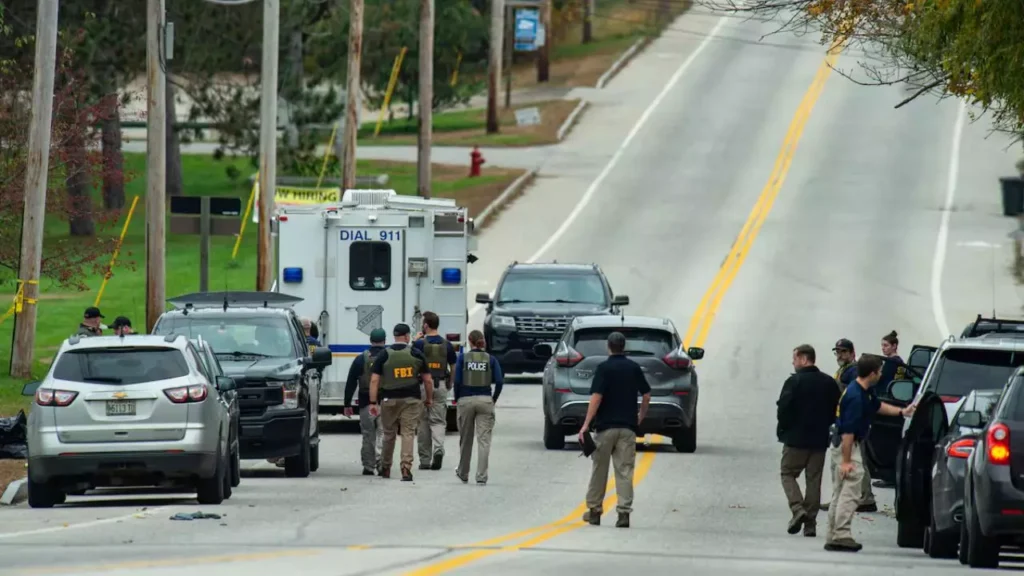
(120, 395)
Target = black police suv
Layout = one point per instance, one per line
(260, 343)
(534, 303)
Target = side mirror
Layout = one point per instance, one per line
(695, 353)
(321, 358)
(483, 298)
(543, 350)
(225, 384)
(902, 390)
(30, 388)
(620, 300)
(970, 419)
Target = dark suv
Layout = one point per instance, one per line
(534, 304)
(260, 343)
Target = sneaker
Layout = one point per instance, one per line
(795, 523)
(623, 521)
(872, 507)
(592, 517)
(436, 464)
(368, 472)
(481, 482)
(843, 545)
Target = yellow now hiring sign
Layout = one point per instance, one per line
(294, 195)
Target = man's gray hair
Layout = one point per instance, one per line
(616, 342)
(306, 322)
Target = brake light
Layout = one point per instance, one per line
(998, 441)
(569, 358)
(961, 448)
(676, 361)
(186, 394)
(452, 337)
(682, 392)
(949, 399)
(52, 397)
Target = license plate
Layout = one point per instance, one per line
(120, 407)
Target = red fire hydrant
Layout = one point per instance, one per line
(476, 160)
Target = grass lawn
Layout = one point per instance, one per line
(468, 127)
(60, 311)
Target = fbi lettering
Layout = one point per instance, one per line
(435, 365)
(403, 372)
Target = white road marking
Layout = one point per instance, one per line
(63, 527)
(589, 194)
(978, 244)
(939, 261)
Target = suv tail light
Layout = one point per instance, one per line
(998, 441)
(51, 397)
(186, 394)
(961, 448)
(675, 359)
(569, 358)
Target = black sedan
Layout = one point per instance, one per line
(942, 536)
(651, 342)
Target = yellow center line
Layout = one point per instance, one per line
(697, 332)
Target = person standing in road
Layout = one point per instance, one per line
(893, 367)
(806, 410)
(359, 374)
(122, 326)
(90, 325)
(618, 381)
(397, 374)
(853, 418)
(475, 372)
(441, 358)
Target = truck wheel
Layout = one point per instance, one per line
(41, 494)
(554, 435)
(211, 490)
(298, 466)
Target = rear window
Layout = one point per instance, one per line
(121, 366)
(639, 341)
(963, 370)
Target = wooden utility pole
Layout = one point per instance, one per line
(268, 144)
(543, 55)
(156, 165)
(588, 17)
(494, 63)
(352, 104)
(510, 34)
(36, 171)
(426, 97)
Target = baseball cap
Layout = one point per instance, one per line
(120, 322)
(843, 344)
(93, 312)
(377, 335)
(402, 329)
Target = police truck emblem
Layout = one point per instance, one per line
(369, 317)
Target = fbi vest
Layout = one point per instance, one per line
(401, 369)
(368, 359)
(476, 369)
(437, 358)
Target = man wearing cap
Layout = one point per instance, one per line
(359, 377)
(122, 326)
(440, 356)
(395, 383)
(846, 357)
(311, 341)
(90, 325)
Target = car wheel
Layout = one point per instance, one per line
(211, 490)
(685, 440)
(314, 458)
(227, 480)
(926, 546)
(236, 469)
(452, 420)
(940, 544)
(554, 435)
(964, 539)
(42, 494)
(982, 552)
(298, 466)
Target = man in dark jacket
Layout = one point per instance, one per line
(806, 411)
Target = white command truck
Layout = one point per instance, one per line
(373, 261)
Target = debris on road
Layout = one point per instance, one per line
(13, 438)
(195, 516)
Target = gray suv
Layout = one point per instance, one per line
(133, 410)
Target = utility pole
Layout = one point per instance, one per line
(156, 165)
(352, 104)
(588, 17)
(426, 97)
(36, 171)
(510, 34)
(543, 57)
(268, 144)
(494, 63)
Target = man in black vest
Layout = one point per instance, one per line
(440, 356)
(359, 377)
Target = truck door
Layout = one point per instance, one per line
(370, 284)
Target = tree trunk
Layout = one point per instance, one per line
(588, 17)
(79, 199)
(174, 183)
(113, 161)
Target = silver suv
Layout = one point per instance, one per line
(133, 410)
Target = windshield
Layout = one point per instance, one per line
(236, 336)
(963, 370)
(120, 365)
(553, 287)
(639, 341)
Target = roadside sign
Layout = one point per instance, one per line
(528, 116)
(527, 21)
(296, 195)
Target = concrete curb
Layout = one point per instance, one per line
(568, 124)
(481, 221)
(16, 492)
(618, 64)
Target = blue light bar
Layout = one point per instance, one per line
(292, 275)
(451, 276)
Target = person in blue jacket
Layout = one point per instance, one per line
(476, 371)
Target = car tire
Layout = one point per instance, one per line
(314, 458)
(685, 440)
(211, 490)
(227, 481)
(554, 435)
(982, 552)
(298, 466)
(939, 544)
(964, 539)
(236, 469)
(42, 494)
(452, 420)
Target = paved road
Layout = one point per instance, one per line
(844, 247)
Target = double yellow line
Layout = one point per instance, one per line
(697, 332)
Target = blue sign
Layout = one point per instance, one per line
(527, 23)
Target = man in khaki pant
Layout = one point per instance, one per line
(475, 372)
(397, 373)
(440, 356)
(613, 410)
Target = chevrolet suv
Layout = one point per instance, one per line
(534, 304)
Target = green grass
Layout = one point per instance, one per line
(60, 310)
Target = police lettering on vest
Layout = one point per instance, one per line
(477, 369)
(368, 358)
(401, 369)
(437, 358)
